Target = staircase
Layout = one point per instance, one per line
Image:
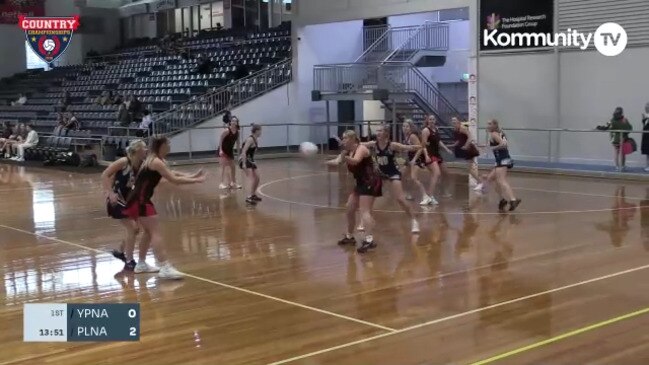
(414, 44)
(388, 71)
(211, 104)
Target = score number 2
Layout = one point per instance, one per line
(132, 313)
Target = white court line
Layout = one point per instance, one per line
(460, 315)
(261, 192)
(303, 306)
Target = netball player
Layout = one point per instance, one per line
(385, 158)
(229, 138)
(117, 182)
(368, 187)
(247, 163)
(498, 144)
(465, 148)
(415, 160)
(431, 143)
(140, 207)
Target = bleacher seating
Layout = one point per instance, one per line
(159, 80)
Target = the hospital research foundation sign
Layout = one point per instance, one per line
(502, 19)
(516, 24)
(49, 37)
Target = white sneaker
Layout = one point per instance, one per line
(360, 228)
(479, 188)
(15, 158)
(223, 186)
(425, 201)
(235, 186)
(433, 201)
(20, 159)
(415, 226)
(169, 272)
(143, 267)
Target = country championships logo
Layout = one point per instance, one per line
(610, 39)
(49, 37)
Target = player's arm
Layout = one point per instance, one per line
(246, 146)
(469, 140)
(414, 140)
(108, 178)
(162, 169)
(502, 142)
(399, 147)
(336, 161)
(369, 144)
(425, 134)
(360, 154)
(445, 148)
(198, 173)
(223, 134)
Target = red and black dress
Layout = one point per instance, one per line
(122, 186)
(421, 161)
(468, 154)
(368, 179)
(227, 148)
(139, 202)
(432, 145)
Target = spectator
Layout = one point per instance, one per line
(72, 122)
(30, 141)
(240, 71)
(5, 134)
(219, 26)
(122, 115)
(22, 99)
(106, 98)
(119, 99)
(65, 101)
(645, 136)
(205, 65)
(15, 137)
(226, 117)
(146, 125)
(135, 108)
(617, 123)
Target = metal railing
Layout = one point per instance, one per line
(401, 43)
(216, 102)
(397, 77)
(533, 147)
(371, 36)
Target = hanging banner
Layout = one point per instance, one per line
(515, 24)
(11, 10)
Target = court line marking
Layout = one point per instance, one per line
(478, 268)
(459, 315)
(303, 306)
(563, 336)
(272, 182)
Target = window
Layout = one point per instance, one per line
(33, 60)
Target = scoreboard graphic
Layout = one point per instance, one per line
(53, 322)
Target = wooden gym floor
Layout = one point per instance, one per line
(561, 281)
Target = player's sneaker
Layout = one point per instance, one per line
(143, 267)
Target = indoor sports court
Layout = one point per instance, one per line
(311, 182)
(561, 280)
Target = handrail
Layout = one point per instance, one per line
(373, 45)
(213, 103)
(416, 32)
(364, 122)
(220, 89)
